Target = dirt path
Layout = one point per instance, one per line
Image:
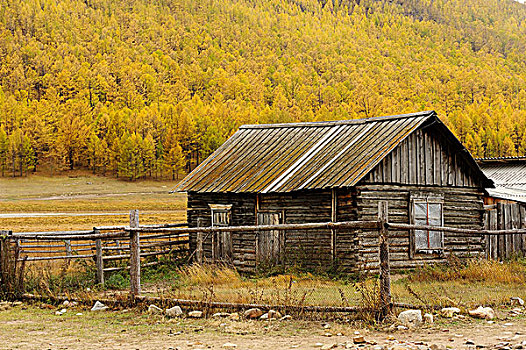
(29, 327)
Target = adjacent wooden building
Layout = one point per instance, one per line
(505, 205)
(338, 171)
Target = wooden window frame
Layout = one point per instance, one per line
(433, 198)
(221, 208)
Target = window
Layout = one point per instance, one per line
(427, 210)
(221, 214)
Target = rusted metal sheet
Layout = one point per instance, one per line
(301, 156)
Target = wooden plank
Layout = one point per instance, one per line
(135, 254)
(99, 261)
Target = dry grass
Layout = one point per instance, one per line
(479, 270)
(86, 194)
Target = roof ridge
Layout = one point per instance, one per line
(339, 122)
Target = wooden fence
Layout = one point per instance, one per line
(504, 216)
(131, 242)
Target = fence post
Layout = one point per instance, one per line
(385, 273)
(67, 244)
(99, 260)
(135, 254)
(199, 249)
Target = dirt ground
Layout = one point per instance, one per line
(37, 327)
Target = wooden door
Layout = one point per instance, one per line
(221, 241)
(270, 245)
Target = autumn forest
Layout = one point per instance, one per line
(149, 88)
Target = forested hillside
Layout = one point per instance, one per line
(140, 88)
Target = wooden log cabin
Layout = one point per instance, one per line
(338, 171)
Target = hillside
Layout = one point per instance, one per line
(139, 88)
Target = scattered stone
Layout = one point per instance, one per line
(437, 347)
(483, 312)
(195, 314)
(220, 314)
(449, 312)
(328, 334)
(66, 303)
(402, 328)
(318, 345)
(78, 314)
(358, 339)
(58, 313)
(398, 347)
(286, 318)
(99, 307)
(428, 318)
(16, 303)
(234, 316)
(470, 342)
(253, 313)
(271, 315)
(517, 301)
(230, 345)
(329, 346)
(154, 309)
(410, 318)
(174, 311)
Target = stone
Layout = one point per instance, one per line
(483, 312)
(437, 347)
(271, 315)
(64, 311)
(410, 318)
(428, 318)
(399, 347)
(78, 314)
(195, 314)
(253, 313)
(449, 312)
(402, 328)
(230, 345)
(98, 306)
(66, 303)
(174, 311)
(358, 339)
(234, 316)
(286, 318)
(329, 346)
(220, 314)
(517, 301)
(318, 345)
(154, 309)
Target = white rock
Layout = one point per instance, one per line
(78, 314)
(483, 312)
(410, 318)
(66, 303)
(450, 311)
(220, 314)
(174, 311)
(230, 345)
(428, 318)
(517, 300)
(286, 318)
(99, 307)
(329, 346)
(154, 309)
(195, 314)
(64, 311)
(253, 313)
(234, 316)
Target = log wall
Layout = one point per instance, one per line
(462, 208)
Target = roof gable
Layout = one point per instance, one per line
(301, 156)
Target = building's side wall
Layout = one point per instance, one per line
(243, 213)
(307, 248)
(346, 241)
(424, 158)
(425, 162)
(462, 208)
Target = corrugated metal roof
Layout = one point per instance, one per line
(509, 176)
(296, 156)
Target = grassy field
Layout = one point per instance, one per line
(86, 194)
(489, 283)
